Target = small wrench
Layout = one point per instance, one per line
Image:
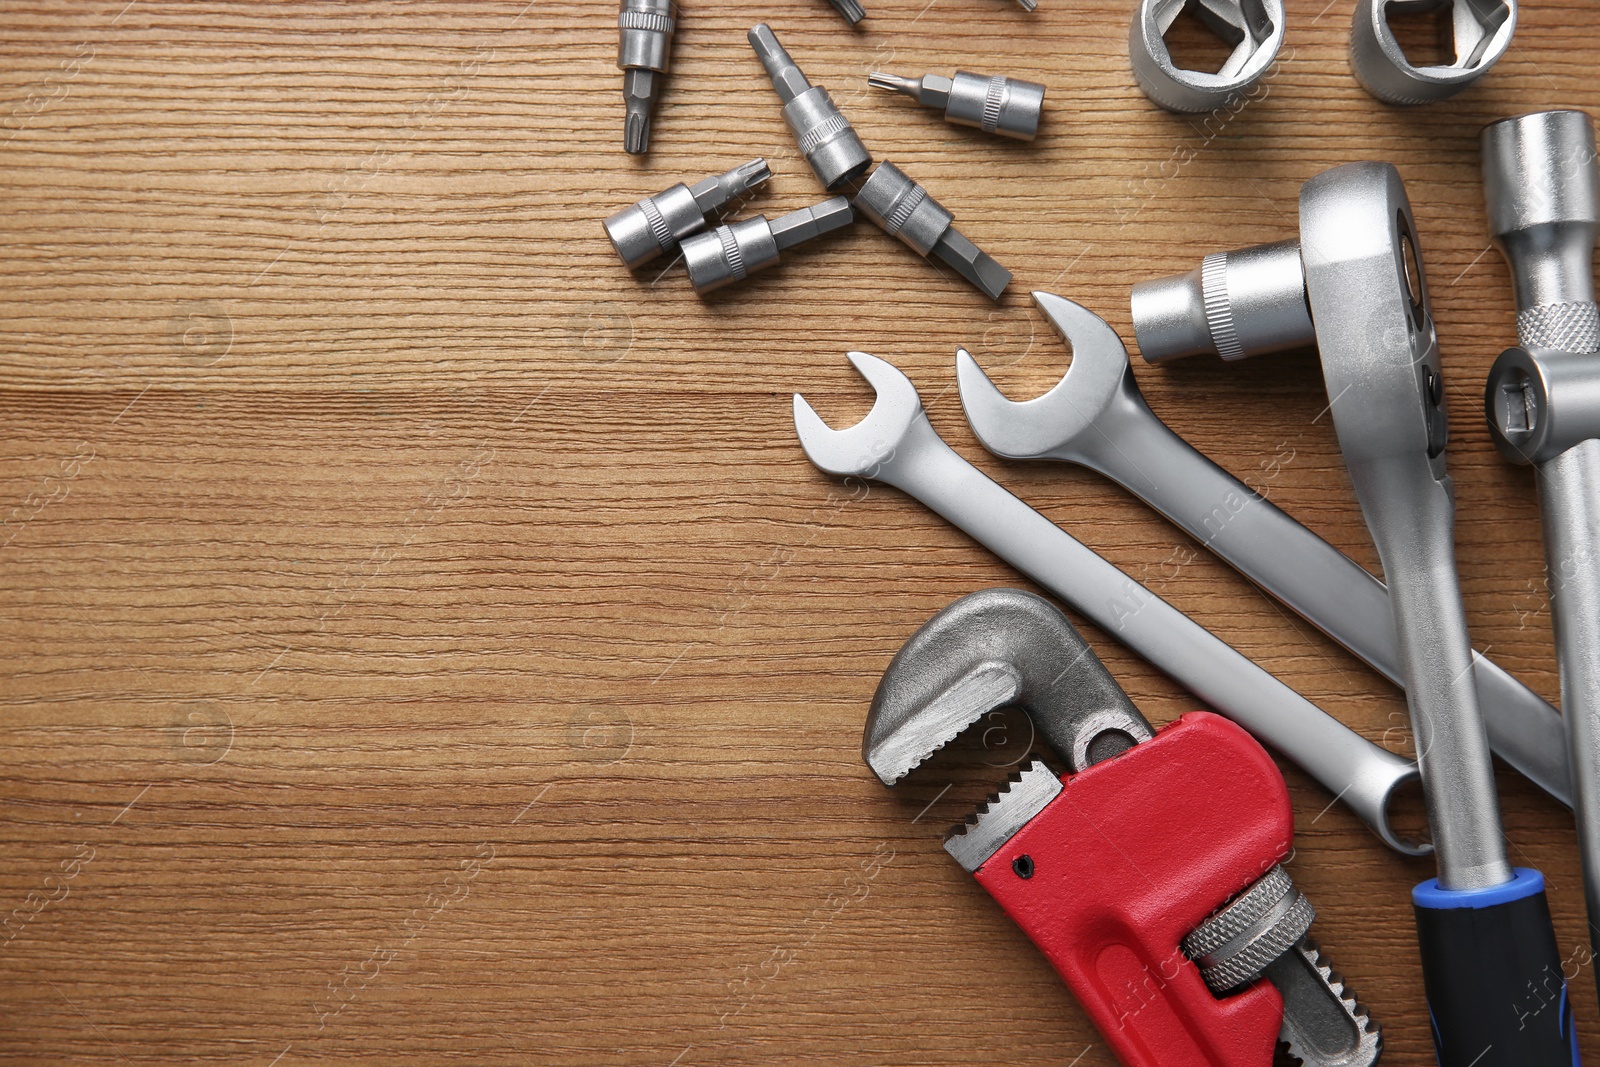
(897, 445)
(1096, 417)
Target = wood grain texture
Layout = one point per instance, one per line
(426, 643)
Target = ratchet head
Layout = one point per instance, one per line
(1061, 424)
(864, 448)
(990, 649)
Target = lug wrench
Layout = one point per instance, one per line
(1483, 928)
(897, 445)
(1096, 417)
(1540, 181)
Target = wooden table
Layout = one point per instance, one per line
(425, 642)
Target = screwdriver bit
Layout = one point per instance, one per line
(732, 253)
(904, 209)
(644, 51)
(852, 11)
(1007, 106)
(824, 135)
(643, 231)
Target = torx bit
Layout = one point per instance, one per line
(655, 225)
(824, 135)
(644, 52)
(732, 253)
(904, 208)
(997, 104)
(852, 11)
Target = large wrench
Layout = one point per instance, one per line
(1097, 418)
(897, 445)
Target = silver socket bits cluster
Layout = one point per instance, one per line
(680, 217)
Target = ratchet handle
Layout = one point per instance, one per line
(1497, 995)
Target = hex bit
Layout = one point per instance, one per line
(850, 9)
(734, 252)
(904, 209)
(1009, 107)
(641, 232)
(824, 135)
(644, 52)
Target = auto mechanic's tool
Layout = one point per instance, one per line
(1483, 928)
(904, 209)
(1126, 878)
(1476, 31)
(1253, 28)
(1097, 418)
(733, 252)
(1541, 183)
(644, 52)
(655, 225)
(824, 135)
(896, 444)
(997, 104)
(850, 9)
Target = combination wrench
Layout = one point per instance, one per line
(1097, 418)
(897, 445)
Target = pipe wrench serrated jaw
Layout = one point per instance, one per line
(988, 650)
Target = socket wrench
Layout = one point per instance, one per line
(1543, 402)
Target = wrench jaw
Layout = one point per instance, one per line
(990, 649)
(865, 448)
(1050, 426)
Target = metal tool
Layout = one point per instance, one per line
(1253, 28)
(1541, 183)
(994, 104)
(1140, 863)
(1478, 32)
(1484, 928)
(1097, 418)
(824, 135)
(896, 444)
(644, 52)
(734, 252)
(904, 209)
(655, 225)
(850, 9)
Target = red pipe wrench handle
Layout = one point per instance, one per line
(1132, 855)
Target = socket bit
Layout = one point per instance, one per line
(655, 225)
(824, 135)
(644, 52)
(1478, 33)
(1007, 106)
(1235, 304)
(852, 11)
(905, 210)
(734, 252)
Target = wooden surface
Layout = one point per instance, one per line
(425, 642)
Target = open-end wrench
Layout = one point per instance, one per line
(1097, 418)
(896, 444)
